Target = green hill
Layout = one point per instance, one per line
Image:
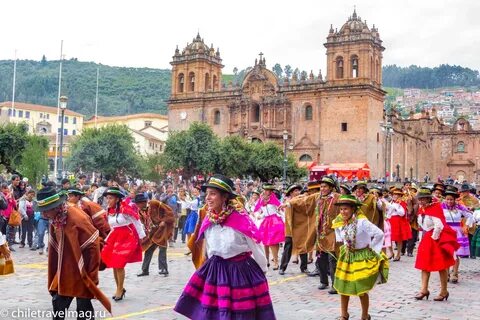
(121, 90)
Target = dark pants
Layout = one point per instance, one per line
(62, 303)
(472, 250)
(411, 242)
(327, 263)
(180, 225)
(287, 255)
(162, 258)
(27, 231)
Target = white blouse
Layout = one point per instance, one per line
(269, 210)
(120, 220)
(368, 235)
(428, 223)
(394, 209)
(456, 215)
(2, 239)
(476, 216)
(227, 243)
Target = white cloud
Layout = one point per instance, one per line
(145, 33)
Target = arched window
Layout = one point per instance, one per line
(191, 81)
(461, 146)
(207, 82)
(339, 65)
(181, 82)
(354, 62)
(256, 113)
(215, 83)
(308, 112)
(305, 158)
(216, 117)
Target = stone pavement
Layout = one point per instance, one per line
(294, 295)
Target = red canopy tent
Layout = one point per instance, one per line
(317, 172)
(348, 170)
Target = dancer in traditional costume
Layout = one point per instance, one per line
(369, 205)
(412, 212)
(192, 218)
(438, 191)
(387, 229)
(468, 199)
(292, 192)
(159, 224)
(436, 251)
(396, 213)
(231, 284)
(475, 243)
(361, 263)
(272, 227)
(73, 255)
(122, 245)
(460, 219)
(5, 255)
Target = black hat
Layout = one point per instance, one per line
(439, 186)
(328, 180)
(465, 188)
(346, 188)
(293, 187)
(424, 192)
(360, 184)
(348, 200)
(114, 191)
(268, 186)
(220, 182)
(48, 198)
(75, 191)
(140, 197)
(65, 180)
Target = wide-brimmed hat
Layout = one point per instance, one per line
(346, 188)
(360, 184)
(348, 200)
(439, 186)
(376, 188)
(140, 197)
(291, 188)
(256, 191)
(465, 188)
(48, 198)
(222, 183)
(397, 191)
(414, 186)
(114, 191)
(328, 180)
(268, 186)
(424, 193)
(75, 191)
(311, 185)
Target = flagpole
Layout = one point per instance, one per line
(96, 99)
(14, 82)
(55, 170)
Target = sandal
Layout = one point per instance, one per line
(454, 278)
(344, 317)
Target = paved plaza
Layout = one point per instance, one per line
(295, 296)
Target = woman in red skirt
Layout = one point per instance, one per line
(438, 245)
(122, 245)
(397, 216)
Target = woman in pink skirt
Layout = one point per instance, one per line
(272, 227)
(387, 229)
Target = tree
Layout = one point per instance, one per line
(234, 154)
(13, 140)
(277, 69)
(34, 163)
(288, 71)
(109, 150)
(303, 75)
(194, 151)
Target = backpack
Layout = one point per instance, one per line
(3, 202)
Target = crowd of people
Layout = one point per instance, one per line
(234, 231)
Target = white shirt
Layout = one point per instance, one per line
(194, 204)
(120, 220)
(428, 223)
(394, 209)
(476, 216)
(2, 239)
(368, 235)
(227, 243)
(456, 215)
(269, 210)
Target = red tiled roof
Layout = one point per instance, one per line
(126, 117)
(37, 107)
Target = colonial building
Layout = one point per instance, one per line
(423, 143)
(332, 119)
(150, 130)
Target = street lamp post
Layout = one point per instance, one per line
(387, 129)
(411, 174)
(63, 107)
(398, 173)
(285, 139)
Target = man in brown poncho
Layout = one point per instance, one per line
(159, 221)
(73, 255)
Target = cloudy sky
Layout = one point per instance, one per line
(144, 33)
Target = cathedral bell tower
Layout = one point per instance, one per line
(196, 70)
(354, 54)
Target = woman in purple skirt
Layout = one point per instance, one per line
(231, 284)
(460, 219)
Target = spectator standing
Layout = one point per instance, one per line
(25, 207)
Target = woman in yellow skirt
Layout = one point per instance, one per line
(361, 262)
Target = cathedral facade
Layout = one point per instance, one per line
(336, 119)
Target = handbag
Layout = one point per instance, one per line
(6, 267)
(15, 219)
